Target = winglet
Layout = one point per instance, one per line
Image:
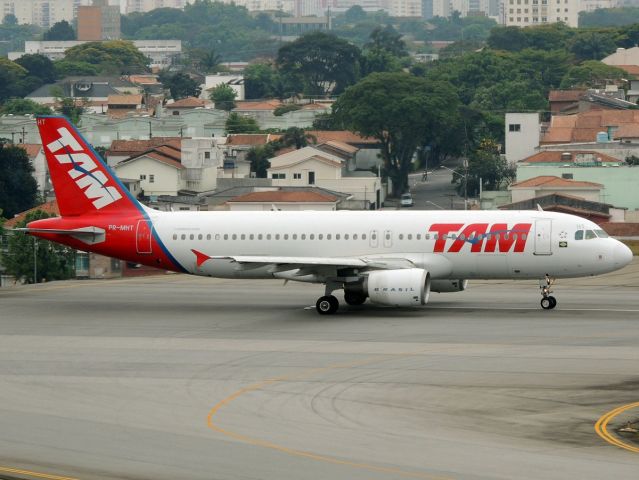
(200, 257)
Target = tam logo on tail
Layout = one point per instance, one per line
(85, 172)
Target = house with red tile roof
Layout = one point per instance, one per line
(123, 149)
(186, 104)
(159, 170)
(547, 184)
(310, 199)
(570, 157)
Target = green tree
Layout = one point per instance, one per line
(207, 61)
(12, 80)
(326, 63)
(224, 97)
(38, 66)
(66, 68)
(259, 157)
(180, 85)
(387, 39)
(52, 261)
(18, 188)
(590, 45)
(110, 57)
(609, 17)
(591, 74)
(485, 165)
(296, 137)
(24, 106)
(72, 108)
(512, 39)
(402, 112)
(379, 60)
(10, 19)
(354, 14)
(236, 123)
(60, 31)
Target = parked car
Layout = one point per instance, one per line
(406, 200)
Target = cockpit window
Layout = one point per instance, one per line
(579, 235)
(601, 234)
(590, 235)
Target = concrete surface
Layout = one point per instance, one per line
(176, 377)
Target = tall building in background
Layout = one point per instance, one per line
(131, 6)
(43, 13)
(99, 21)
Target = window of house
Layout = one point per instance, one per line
(175, 112)
(278, 176)
(151, 178)
(142, 177)
(567, 176)
(207, 155)
(297, 176)
(514, 127)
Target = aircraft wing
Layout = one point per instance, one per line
(364, 263)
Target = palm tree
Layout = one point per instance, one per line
(297, 137)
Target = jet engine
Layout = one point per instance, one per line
(398, 288)
(442, 286)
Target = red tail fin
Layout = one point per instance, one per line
(83, 183)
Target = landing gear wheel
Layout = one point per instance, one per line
(548, 303)
(353, 298)
(327, 305)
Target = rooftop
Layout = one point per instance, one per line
(251, 138)
(583, 127)
(49, 207)
(565, 95)
(279, 196)
(131, 100)
(188, 102)
(556, 156)
(343, 136)
(131, 147)
(549, 181)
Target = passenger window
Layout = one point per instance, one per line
(200, 236)
(234, 236)
(217, 236)
(514, 236)
(590, 235)
(436, 236)
(418, 236)
(524, 236)
(226, 236)
(192, 237)
(328, 236)
(251, 236)
(286, 236)
(312, 236)
(354, 236)
(337, 236)
(388, 236)
(208, 236)
(277, 236)
(175, 236)
(462, 237)
(364, 236)
(268, 236)
(303, 236)
(401, 236)
(427, 236)
(320, 236)
(409, 236)
(346, 236)
(243, 237)
(295, 236)
(259, 236)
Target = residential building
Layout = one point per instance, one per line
(368, 148)
(263, 111)
(187, 104)
(159, 170)
(403, 8)
(560, 100)
(122, 105)
(94, 90)
(161, 52)
(99, 21)
(522, 135)
(546, 184)
(526, 13)
(311, 166)
(43, 13)
(289, 28)
(236, 149)
(284, 200)
(123, 149)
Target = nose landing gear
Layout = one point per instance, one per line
(548, 302)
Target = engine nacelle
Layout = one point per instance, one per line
(442, 286)
(398, 288)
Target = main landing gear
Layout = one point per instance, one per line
(327, 304)
(548, 302)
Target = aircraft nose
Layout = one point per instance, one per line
(622, 255)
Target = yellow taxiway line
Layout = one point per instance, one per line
(29, 473)
(602, 424)
(213, 415)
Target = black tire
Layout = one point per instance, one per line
(327, 305)
(553, 302)
(354, 298)
(546, 303)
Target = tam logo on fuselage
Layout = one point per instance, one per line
(497, 238)
(85, 171)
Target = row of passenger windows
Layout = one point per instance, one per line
(346, 236)
(590, 234)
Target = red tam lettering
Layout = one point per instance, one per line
(441, 229)
(500, 233)
(472, 234)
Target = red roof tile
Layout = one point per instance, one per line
(565, 95)
(188, 102)
(249, 139)
(554, 182)
(631, 69)
(49, 207)
(556, 156)
(344, 136)
(131, 147)
(132, 100)
(32, 149)
(261, 105)
(286, 196)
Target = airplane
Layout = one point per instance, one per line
(392, 258)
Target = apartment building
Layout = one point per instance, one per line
(43, 13)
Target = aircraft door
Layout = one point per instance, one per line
(374, 240)
(543, 235)
(143, 237)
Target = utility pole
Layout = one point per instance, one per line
(150, 131)
(35, 260)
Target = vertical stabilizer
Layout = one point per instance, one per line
(82, 181)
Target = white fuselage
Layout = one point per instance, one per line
(548, 247)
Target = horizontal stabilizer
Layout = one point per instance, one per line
(89, 235)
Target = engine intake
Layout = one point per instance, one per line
(444, 286)
(398, 288)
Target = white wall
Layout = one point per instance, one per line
(522, 135)
(167, 179)
(520, 194)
